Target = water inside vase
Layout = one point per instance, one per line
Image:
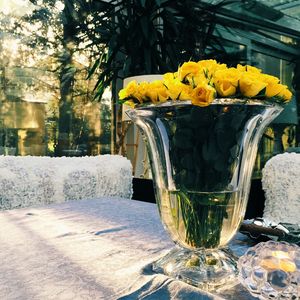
(201, 219)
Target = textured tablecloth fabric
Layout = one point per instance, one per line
(93, 249)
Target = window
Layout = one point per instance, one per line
(47, 107)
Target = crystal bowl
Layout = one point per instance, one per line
(271, 270)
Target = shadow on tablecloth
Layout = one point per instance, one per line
(152, 286)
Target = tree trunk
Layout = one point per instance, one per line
(66, 79)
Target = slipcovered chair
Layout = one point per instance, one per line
(281, 184)
(32, 180)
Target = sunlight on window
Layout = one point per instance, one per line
(82, 59)
(59, 5)
(16, 7)
(40, 96)
(51, 34)
(45, 58)
(11, 46)
(107, 95)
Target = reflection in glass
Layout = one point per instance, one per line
(46, 100)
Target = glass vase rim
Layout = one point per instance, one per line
(217, 101)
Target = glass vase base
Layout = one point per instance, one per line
(210, 270)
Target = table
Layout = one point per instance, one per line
(91, 249)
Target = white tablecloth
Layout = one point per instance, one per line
(93, 249)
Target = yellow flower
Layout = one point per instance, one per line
(170, 76)
(141, 92)
(248, 68)
(130, 103)
(157, 91)
(129, 91)
(198, 79)
(285, 93)
(202, 81)
(188, 70)
(226, 81)
(273, 87)
(203, 94)
(210, 66)
(270, 79)
(194, 73)
(251, 84)
(178, 90)
(208, 63)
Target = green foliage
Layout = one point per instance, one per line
(150, 37)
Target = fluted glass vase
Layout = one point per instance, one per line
(202, 160)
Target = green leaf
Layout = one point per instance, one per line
(234, 151)
(145, 26)
(183, 138)
(261, 94)
(187, 161)
(101, 79)
(94, 67)
(127, 65)
(164, 2)
(143, 3)
(210, 149)
(147, 58)
(99, 93)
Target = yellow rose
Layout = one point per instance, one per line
(177, 90)
(188, 70)
(203, 81)
(270, 79)
(162, 91)
(273, 89)
(199, 78)
(141, 92)
(220, 67)
(251, 84)
(203, 94)
(226, 81)
(248, 68)
(170, 76)
(285, 93)
(129, 91)
(157, 91)
(130, 103)
(210, 66)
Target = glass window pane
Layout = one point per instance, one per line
(47, 99)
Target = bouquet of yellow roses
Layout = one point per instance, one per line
(205, 80)
(205, 141)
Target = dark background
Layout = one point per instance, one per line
(143, 191)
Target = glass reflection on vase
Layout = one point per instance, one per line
(201, 160)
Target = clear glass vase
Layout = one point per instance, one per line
(202, 160)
